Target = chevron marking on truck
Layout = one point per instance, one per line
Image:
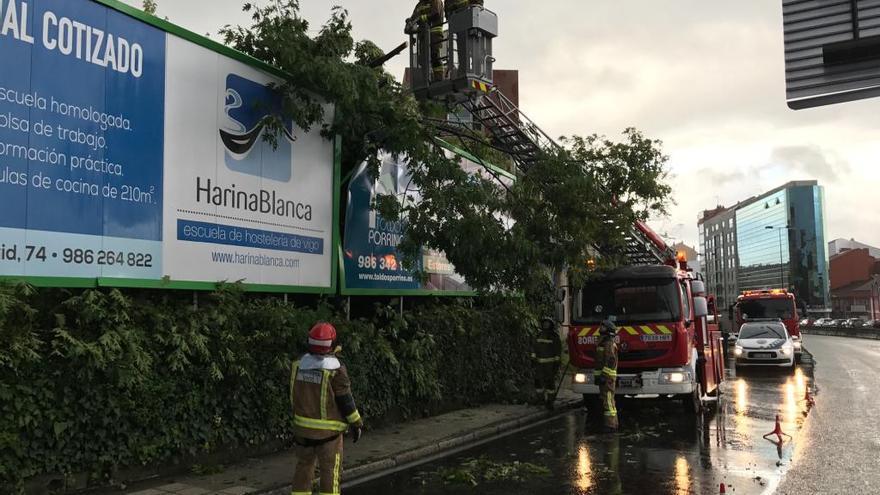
(631, 330)
(481, 86)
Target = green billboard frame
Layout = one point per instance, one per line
(73, 282)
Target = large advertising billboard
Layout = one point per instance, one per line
(134, 156)
(371, 262)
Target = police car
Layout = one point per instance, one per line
(764, 343)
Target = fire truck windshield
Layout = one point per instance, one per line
(631, 301)
(766, 308)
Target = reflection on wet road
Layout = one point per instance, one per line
(659, 450)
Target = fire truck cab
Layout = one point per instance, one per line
(770, 304)
(668, 345)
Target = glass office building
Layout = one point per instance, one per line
(778, 242)
(781, 243)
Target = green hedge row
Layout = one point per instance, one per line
(96, 380)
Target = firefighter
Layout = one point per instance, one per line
(606, 372)
(430, 13)
(323, 409)
(546, 357)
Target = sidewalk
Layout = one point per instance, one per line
(378, 451)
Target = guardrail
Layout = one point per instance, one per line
(859, 333)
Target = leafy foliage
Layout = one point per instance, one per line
(150, 6)
(94, 380)
(478, 470)
(572, 206)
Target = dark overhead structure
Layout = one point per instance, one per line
(832, 51)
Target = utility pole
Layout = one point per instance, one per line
(781, 269)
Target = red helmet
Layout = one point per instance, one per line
(321, 338)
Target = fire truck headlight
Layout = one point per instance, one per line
(580, 378)
(738, 351)
(675, 377)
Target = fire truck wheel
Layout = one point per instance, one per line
(693, 403)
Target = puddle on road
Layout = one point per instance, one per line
(659, 450)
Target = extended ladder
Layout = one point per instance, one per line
(516, 134)
(468, 60)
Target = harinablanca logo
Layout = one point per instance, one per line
(247, 107)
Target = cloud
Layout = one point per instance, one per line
(812, 160)
(723, 176)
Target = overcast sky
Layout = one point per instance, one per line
(705, 77)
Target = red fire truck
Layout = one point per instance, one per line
(770, 304)
(669, 345)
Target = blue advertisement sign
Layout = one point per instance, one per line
(81, 130)
(130, 153)
(370, 257)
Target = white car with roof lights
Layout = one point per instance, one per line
(764, 343)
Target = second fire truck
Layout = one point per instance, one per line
(770, 304)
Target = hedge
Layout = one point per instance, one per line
(93, 381)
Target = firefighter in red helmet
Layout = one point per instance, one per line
(323, 409)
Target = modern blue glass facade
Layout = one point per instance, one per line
(781, 243)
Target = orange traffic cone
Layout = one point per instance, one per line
(777, 431)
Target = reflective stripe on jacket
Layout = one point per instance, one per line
(606, 357)
(547, 347)
(313, 395)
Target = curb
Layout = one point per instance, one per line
(410, 458)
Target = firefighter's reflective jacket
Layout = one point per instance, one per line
(320, 392)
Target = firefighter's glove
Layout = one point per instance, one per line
(356, 432)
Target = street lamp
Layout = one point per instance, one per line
(781, 269)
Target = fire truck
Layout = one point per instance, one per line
(770, 304)
(668, 345)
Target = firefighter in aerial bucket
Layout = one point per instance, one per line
(323, 409)
(605, 374)
(429, 13)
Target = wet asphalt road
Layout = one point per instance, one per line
(660, 450)
(839, 447)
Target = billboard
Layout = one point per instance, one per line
(134, 156)
(371, 263)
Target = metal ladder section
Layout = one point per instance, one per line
(511, 129)
(519, 136)
(646, 247)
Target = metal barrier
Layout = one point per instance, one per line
(859, 333)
